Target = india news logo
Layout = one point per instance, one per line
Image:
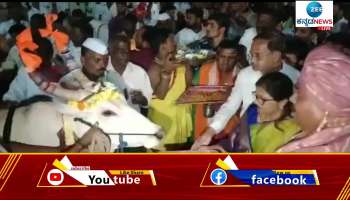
(225, 173)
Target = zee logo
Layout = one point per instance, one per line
(218, 176)
(314, 9)
(55, 177)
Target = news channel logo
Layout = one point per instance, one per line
(314, 14)
(227, 174)
(314, 9)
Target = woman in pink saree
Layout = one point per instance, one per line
(323, 103)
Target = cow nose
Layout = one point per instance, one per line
(160, 134)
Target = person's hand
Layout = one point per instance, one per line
(87, 138)
(168, 65)
(138, 98)
(49, 87)
(204, 139)
(70, 86)
(94, 140)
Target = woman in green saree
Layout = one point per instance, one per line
(268, 123)
(273, 125)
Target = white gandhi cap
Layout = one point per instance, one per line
(96, 45)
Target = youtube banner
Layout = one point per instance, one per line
(175, 176)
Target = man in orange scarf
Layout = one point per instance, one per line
(221, 72)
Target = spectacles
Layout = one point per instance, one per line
(261, 100)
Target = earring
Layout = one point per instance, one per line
(323, 122)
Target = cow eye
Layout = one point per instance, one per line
(108, 113)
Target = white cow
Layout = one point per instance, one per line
(39, 123)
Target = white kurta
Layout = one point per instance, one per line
(136, 78)
(242, 93)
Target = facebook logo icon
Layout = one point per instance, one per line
(218, 176)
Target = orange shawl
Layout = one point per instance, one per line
(206, 78)
(26, 46)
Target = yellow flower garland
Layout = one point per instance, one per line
(103, 96)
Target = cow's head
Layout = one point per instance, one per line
(113, 115)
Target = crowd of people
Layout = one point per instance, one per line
(287, 84)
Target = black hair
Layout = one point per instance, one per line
(116, 39)
(221, 19)
(148, 34)
(58, 24)
(131, 21)
(159, 36)
(78, 13)
(45, 51)
(37, 21)
(228, 44)
(61, 16)
(84, 50)
(339, 39)
(298, 47)
(84, 27)
(196, 12)
(276, 16)
(131, 17)
(125, 24)
(279, 87)
(16, 29)
(276, 40)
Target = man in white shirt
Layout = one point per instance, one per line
(193, 31)
(266, 54)
(135, 77)
(82, 81)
